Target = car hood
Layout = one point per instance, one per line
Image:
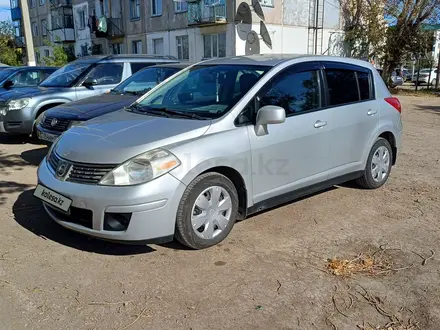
(16, 93)
(115, 137)
(92, 107)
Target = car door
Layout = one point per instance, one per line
(295, 153)
(105, 75)
(354, 115)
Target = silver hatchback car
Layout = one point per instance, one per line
(218, 141)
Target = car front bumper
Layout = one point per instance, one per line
(17, 121)
(153, 207)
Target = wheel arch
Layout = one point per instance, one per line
(390, 137)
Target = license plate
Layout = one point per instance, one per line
(51, 197)
(46, 136)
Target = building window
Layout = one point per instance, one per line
(84, 50)
(82, 19)
(32, 3)
(267, 3)
(158, 46)
(135, 9)
(214, 45)
(180, 6)
(182, 48)
(136, 46)
(44, 27)
(35, 29)
(105, 8)
(156, 7)
(117, 49)
(14, 4)
(46, 53)
(37, 57)
(42, 2)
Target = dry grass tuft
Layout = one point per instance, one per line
(363, 263)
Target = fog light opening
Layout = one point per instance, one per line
(116, 221)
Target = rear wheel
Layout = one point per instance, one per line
(378, 166)
(207, 211)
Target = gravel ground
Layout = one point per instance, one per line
(269, 274)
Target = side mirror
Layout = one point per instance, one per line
(8, 84)
(269, 115)
(90, 82)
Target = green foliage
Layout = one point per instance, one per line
(9, 54)
(60, 55)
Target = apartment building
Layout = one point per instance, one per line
(190, 30)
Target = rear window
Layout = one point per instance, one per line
(342, 86)
(135, 67)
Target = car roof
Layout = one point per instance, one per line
(24, 68)
(121, 57)
(276, 59)
(171, 65)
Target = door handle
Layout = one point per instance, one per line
(320, 124)
(371, 112)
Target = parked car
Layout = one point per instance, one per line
(77, 80)
(57, 120)
(218, 141)
(23, 76)
(425, 76)
(396, 79)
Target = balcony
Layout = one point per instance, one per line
(16, 14)
(205, 13)
(20, 42)
(61, 3)
(62, 28)
(115, 28)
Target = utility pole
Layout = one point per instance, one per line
(437, 75)
(27, 32)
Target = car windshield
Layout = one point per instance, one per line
(144, 80)
(65, 76)
(5, 73)
(207, 91)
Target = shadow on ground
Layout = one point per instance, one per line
(428, 108)
(29, 213)
(34, 156)
(18, 139)
(10, 187)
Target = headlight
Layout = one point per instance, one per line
(18, 104)
(74, 123)
(53, 146)
(143, 168)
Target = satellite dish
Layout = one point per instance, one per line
(252, 46)
(265, 35)
(258, 9)
(244, 14)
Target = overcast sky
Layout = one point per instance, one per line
(5, 13)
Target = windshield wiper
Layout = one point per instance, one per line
(165, 112)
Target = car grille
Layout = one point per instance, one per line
(60, 125)
(82, 173)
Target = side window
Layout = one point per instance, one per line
(107, 73)
(296, 93)
(135, 67)
(364, 85)
(27, 78)
(342, 86)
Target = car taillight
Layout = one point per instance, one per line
(394, 102)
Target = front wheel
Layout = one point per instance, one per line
(207, 211)
(378, 167)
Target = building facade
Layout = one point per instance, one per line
(190, 30)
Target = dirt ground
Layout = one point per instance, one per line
(269, 274)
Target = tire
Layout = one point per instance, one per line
(204, 189)
(33, 135)
(370, 178)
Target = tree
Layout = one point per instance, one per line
(405, 35)
(364, 27)
(9, 54)
(60, 55)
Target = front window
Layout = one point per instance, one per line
(66, 76)
(135, 9)
(182, 48)
(137, 46)
(5, 73)
(32, 5)
(214, 45)
(117, 48)
(202, 91)
(144, 80)
(46, 53)
(44, 27)
(35, 29)
(82, 19)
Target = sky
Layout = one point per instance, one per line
(5, 13)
